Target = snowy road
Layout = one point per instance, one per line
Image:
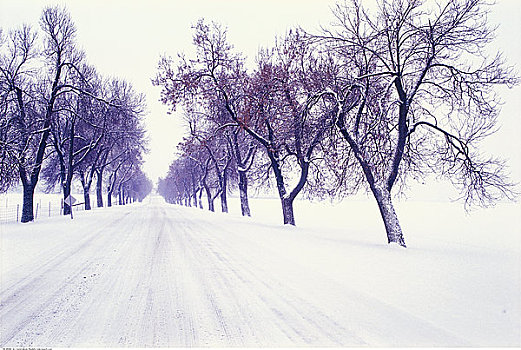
(160, 275)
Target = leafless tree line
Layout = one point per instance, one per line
(372, 102)
(60, 120)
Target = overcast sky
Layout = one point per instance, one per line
(125, 38)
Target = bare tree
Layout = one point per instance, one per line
(273, 107)
(423, 91)
(36, 94)
(198, 168)
(212, 84)
(76, 132)
(117, 168)
(212, 138)
(124, 138)
(139, 186)
(20, 123)
(51, 94)
(287, 115)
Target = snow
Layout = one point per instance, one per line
(154, 274)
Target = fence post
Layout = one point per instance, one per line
(17, 211)
(36, 215)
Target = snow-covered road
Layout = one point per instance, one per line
(159, 275)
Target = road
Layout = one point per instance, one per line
(160, 275)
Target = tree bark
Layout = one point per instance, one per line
(287, 211)
(209, 198)
(200, 200)
(66, 192)
(194, 197)
(224, 192)
(389, 217)
(287, 203)
(243, 193)
(86, 198)
(28, 196)
(402, 136)
(243, 176)
(99, 189)
(85, 184)
(285, 198)
(382, 194)
(120, 195)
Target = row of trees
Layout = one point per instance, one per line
(60, 120)
(370, 103)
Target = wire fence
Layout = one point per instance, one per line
(41, 209)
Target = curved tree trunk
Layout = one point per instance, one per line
(382, 194)
(389, 217)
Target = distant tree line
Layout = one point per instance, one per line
(60, 120)
(371, 103)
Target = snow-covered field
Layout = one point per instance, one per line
(154, 274)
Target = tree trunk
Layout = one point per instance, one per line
(287, 199)
(200, 200)
(382, 194)
(28, 196)
(66, 192)
(86, 198)
(194, 196)
(389, 217)
(109, 199)
(210, 198)
(99, 192)
(243, 193)
(287, 211)
(188, 199)
(224, 198)
(120, 196)
(86, 190)
(68, 179)
(287, 203)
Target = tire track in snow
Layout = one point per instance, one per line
(137, 300)
(36, 306)
(50, 265)
(292, 322)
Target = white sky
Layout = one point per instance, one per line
(125, 38)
